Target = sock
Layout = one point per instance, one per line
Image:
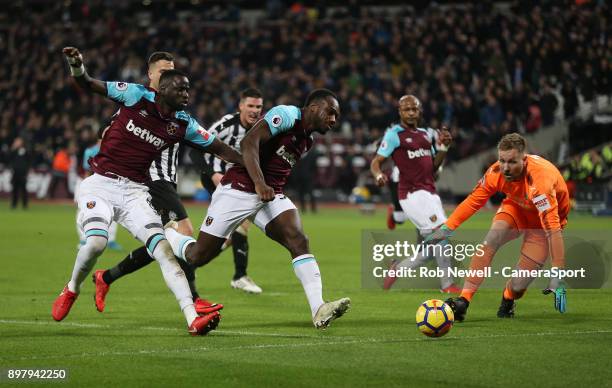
(307, 270)
(178, 242)
(399, 217)
(85, 260)
(468, 294)
(190, 275)
(444, 262)
(175, 279)
(136, 260)
(418, 261)
(240, 247)
(80, 231)
(508, 293)
(479, 261)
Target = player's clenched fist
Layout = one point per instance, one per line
(445, 136)
(73, 56)
(265, 192)
(381, 180)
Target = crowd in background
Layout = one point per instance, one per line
(481, 70)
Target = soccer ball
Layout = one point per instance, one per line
(434, 318)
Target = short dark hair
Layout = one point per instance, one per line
(160, 56)
(512, 141)
(168, 75)
(319, 94)
(250, 92)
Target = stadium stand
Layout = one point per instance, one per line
(482, 69)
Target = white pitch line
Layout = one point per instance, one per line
(164, 352)
(152, 328)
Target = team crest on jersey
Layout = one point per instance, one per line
(171, 128)
(205, 135)
(277, 120)
(121, 86)
(408, 140)
(433, 218)
(209, 220)
(172, 215)
(91, 204)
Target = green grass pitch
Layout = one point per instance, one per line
(268, 340)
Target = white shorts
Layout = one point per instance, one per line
(230, 207)
(424, 209)
(102, 200)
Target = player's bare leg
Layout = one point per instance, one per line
(240, 248)
(196, 252)
(286, 229)
(177, 282)
(185, 227)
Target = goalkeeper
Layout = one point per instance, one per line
(536, 206)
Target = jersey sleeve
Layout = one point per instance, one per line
(86, 155)
(485, 188)
(433, 139)
(126, 93)
(282, 118)
(544, 198)
(195, 133)
(388, 144)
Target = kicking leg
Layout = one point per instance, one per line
(502, 230)
(240, 248)
(95, 227)
(286, 229)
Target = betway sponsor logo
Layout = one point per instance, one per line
(287, 156)
(421, 152)
(146, 135)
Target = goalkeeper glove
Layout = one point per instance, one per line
(440, 234)
(560, 297)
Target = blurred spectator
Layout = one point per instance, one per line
(534, 118)
(491, 115)
(20, 166)
(303, 180)
(60, 169)
(475, 66)
(548, 105)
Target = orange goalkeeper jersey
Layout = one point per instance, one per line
(541, 189)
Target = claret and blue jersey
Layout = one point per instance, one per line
(139, 132)
(280, 154)
(412, 150)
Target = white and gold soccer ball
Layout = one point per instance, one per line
(434, 318)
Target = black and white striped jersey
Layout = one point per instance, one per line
(164, 167)
(231, 132)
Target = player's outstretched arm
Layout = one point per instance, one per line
(77, 69)
(259, 134)
(224, 152)
(379, 176)
(445, 138)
